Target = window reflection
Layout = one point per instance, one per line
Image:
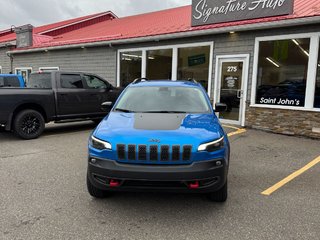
(193, 62)
(282, 72)
(159, 64)
(130, 67)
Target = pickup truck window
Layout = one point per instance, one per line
(9, 82)
(94, 82)
(71, 81)
(40, 80)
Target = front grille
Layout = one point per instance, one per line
(186, 152)
(142, 153)
(176, 153)
(164, 153)
(154, 153)
(121, 149)
(132, 152)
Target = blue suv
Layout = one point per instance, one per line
(160, 136)
(11, 80)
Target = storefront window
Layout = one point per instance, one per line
(193, 62)
(282, 72)
(24, 72)
(317, 93)
(159, 64)
(130, 67)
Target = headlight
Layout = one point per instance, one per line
(212, 146)
(99, 144)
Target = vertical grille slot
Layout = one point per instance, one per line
(175, 153)
(186, 155)
(121, 149)
(142, 154)
(153, 153)
(164, 153)
(132, 152)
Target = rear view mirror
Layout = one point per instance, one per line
(106, 106)
(220, 107)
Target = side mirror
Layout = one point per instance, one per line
(106, 106)
(220, 107)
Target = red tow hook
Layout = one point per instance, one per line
(114, 183)
(194, 185)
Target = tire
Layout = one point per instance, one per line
(28, 124)
(96, 192)
(219, 196)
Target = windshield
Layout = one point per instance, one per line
(40, 80)
(9, 81)
(163, 99)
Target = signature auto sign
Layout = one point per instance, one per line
(218, 11)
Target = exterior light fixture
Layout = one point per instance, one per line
(232, 32)
(46, 50)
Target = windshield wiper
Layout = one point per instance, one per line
(123, 110)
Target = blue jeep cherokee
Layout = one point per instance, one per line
(160, 136)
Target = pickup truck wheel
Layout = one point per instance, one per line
(96, 192)
(219, 196)
(28, 124)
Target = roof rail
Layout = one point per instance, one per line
(192, 80)
(137, 80)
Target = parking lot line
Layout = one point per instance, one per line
(292, 176)
(239, 130)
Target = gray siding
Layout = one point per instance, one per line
(4, 60)
(101, 61)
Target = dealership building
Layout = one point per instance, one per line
(260, 57)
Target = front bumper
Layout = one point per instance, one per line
(209, 175)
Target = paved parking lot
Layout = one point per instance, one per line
(43, 193)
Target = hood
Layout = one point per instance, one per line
(158, 128)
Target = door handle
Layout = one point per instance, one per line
(239, 93)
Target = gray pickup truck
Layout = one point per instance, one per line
(54, 96)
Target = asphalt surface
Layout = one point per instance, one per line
(43, 193)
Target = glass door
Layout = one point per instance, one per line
(230, 88)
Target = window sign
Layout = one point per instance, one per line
(196, 60)
(282, 72)
(217, 11)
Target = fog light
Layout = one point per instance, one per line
(218, 163)
(93, 160)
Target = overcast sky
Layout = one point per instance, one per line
(40, 12)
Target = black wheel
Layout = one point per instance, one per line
(219, 196)
(28, 124)
(96, 192)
